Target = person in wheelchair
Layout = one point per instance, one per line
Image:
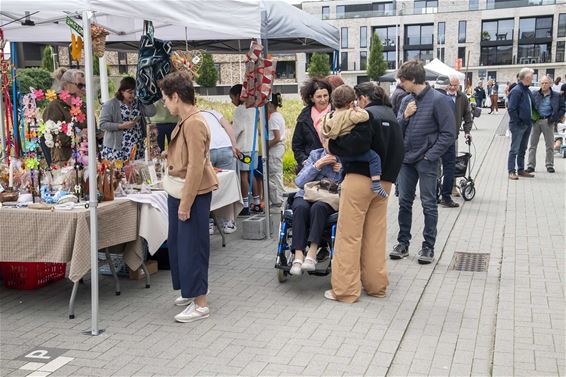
(309, 218)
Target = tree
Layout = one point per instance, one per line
(38, 78)
(207, 74)
(47, 60)
(319, 65)
(376, 63)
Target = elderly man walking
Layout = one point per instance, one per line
(520, 110)
(550, 108)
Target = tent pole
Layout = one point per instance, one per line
(265, 156)
(103, 79)
(2, 131)
(92, 197)
(256, 125)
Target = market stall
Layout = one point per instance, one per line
(38, 21)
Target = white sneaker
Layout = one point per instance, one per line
(229, 227)
(181, 301)
(192, 313)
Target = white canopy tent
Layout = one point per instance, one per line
(442, 69)
(205, 21)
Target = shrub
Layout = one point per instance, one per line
(319, 65)
(207, 74)
(38, 78)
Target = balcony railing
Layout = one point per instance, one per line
(458, 7)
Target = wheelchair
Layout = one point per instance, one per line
(284, 258)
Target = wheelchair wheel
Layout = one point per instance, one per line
(282, 276)
(469, 191)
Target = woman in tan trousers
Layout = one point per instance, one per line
(360, 246)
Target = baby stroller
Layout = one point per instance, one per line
(466, 185)
(284, 258)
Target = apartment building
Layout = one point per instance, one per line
(484, 38)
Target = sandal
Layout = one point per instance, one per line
(309, 264)
(296, 267)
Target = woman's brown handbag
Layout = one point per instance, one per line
(325, 191)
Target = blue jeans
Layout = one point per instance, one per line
(425, 173)
(371, 157)
(223, 158)
(448, 169)
(519, 142)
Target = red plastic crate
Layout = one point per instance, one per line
(31, 275)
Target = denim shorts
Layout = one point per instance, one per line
(223, 158)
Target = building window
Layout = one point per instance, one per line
(344, 37)
(217, 66)
(344, 61)
(534, 53)
(550, 73)
(426, 6)
(423, 55)
(285, 70)
(122, 62)
(363, 60)
(419, 35)
(325, 13)
(340, 11)
(497, 30)
(562, 25)
(474, 4)
(383, 9)
(492, 75)
(462, 55)
(496, 55)
(387, 35)
(441, 36)
(560, 51)
(363, 36)
(462, 32)
(391, 59)
(440, 54)
(535, 27)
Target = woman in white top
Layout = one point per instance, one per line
(276, 150)
(223, 151)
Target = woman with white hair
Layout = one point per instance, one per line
(71, 81)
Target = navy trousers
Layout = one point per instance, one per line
(164, 131)
(309, 221)
(189, 246)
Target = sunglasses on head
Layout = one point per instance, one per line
(80, 85)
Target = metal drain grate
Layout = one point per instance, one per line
(472, 262)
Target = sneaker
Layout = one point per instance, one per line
(530, 170)
(309, 264)
(449, 203)
(525, 174)
(426, 255)
(256, 208)
(229, 227)
(244, 212)
(330, 295)
(399, 252)
(181, 301)
(513, 176)
(211, 228)
(192, 313)
(550, 169)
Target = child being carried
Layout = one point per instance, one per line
(341, 121)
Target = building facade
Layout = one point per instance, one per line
(484, 38)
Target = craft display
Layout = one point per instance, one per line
(98, 35)
(258, 81)
(188, 61)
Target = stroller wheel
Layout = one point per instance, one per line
(282, 276)
(469, 191)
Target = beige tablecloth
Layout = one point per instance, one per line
(63, 236)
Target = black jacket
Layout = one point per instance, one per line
(305, 137)
(398, 94)
(386, 140)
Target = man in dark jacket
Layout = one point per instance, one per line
(429, 129)
(479, 94)
(520, 124)
(398, 94)
(550, 108)
(463, 115)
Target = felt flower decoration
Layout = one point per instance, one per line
(32, 145)
(76, 101)
(50, 95)
(75, 111)
(31, 163)
(38, 94)
(41, 129)
(81, 118)
(64, 128)
(64, 95)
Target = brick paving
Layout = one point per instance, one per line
(434, 321)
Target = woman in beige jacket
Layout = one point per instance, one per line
(188, 158)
